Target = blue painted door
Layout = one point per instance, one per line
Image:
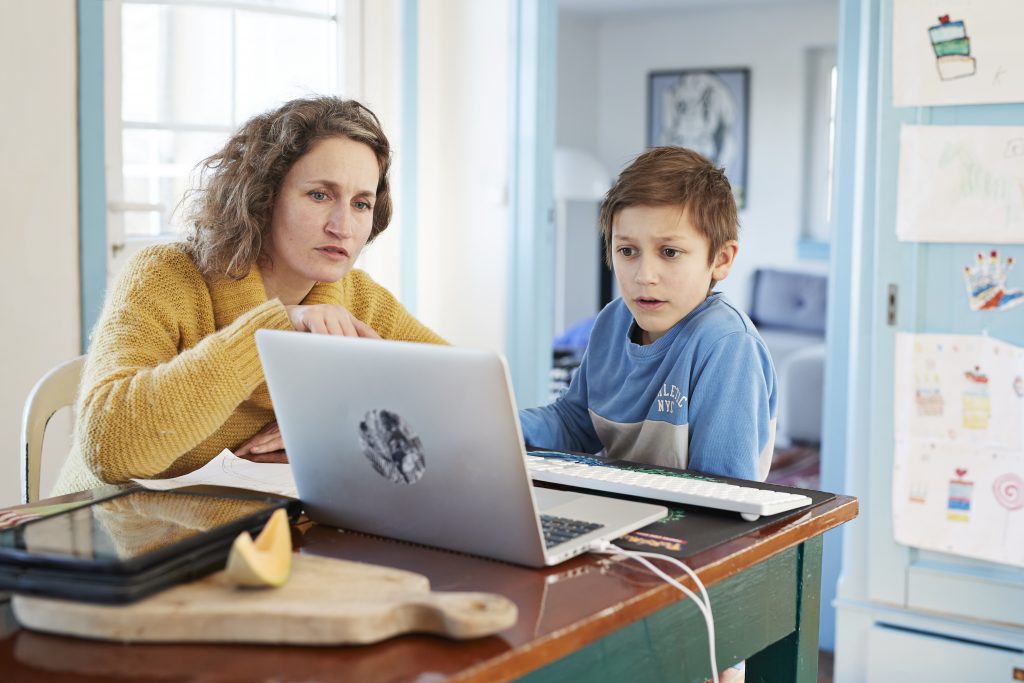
(922, 286)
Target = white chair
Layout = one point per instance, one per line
(55, 390)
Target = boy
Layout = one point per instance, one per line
(674, 374)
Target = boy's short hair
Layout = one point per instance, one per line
(664, 176)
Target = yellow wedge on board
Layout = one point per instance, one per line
(267, 562)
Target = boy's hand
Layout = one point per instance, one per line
(329, 319)
(266, 446)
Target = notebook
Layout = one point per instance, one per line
(422, 443)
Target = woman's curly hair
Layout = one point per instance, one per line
(228, 214)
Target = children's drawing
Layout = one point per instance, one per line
(952, 49)
(970, 55)
(976, 400)
(918, 492)
(928, 395)
(1009, 491)
(986, 283)
(960, 388)
(958, 475)
(961, 184)
(960, 491)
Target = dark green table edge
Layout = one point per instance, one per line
(766, 614)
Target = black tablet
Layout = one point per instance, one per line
(129, 545)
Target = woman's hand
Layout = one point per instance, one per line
(329, 319)
(266, 446)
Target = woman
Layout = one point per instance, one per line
(283, 211)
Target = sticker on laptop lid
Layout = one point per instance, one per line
(392, 447)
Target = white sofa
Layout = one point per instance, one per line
(789, 309)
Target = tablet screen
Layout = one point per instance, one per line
(128, 526)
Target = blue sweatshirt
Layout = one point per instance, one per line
(701, 397)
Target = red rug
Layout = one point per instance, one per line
(798, 466)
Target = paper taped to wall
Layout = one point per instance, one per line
(961, 184)
(958, 465)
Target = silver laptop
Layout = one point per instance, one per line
(422, 443)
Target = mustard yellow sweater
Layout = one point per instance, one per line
(173, 376)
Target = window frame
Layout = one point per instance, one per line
(818, 214)
(348, 15)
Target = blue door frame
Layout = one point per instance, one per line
(92, 185)
(531, 248)
(847, 346)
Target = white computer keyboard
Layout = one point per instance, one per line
(749, 501)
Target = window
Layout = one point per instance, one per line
(183, 74)
(820, 145)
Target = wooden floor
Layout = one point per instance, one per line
(825, 663)
(798, 466)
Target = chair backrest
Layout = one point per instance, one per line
(55, 390)
(789, 300)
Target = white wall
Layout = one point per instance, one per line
(463, 170)
(576, 127)
(621, 49)
(577, 86)
(377, 83)
(39, 193)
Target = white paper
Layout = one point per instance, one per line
(963, 501)
(958, 466)
(227, 469)
(976, 57)
(961, 184)
(962, 389)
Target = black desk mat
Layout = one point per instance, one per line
(688, 529)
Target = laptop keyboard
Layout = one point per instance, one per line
(558, 530)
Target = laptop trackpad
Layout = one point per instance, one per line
(550, 499)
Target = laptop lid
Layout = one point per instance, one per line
(422, 443)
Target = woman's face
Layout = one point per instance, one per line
(322, 217)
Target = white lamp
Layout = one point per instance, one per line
(579, 176)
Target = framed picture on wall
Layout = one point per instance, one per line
(706, 110)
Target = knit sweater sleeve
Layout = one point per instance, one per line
(378, 308)
(159, 379)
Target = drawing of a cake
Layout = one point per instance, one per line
(952, 49)
(977, 404)
(918, 492)
(960, 491)
(928, 397)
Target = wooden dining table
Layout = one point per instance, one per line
(593, 618)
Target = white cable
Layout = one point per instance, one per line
(704, 605)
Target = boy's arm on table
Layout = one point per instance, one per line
(564, 425)
(732, 409)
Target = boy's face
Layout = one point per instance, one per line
(661, 265)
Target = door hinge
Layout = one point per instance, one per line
(890, 309)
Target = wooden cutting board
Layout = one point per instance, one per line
(324, 602)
